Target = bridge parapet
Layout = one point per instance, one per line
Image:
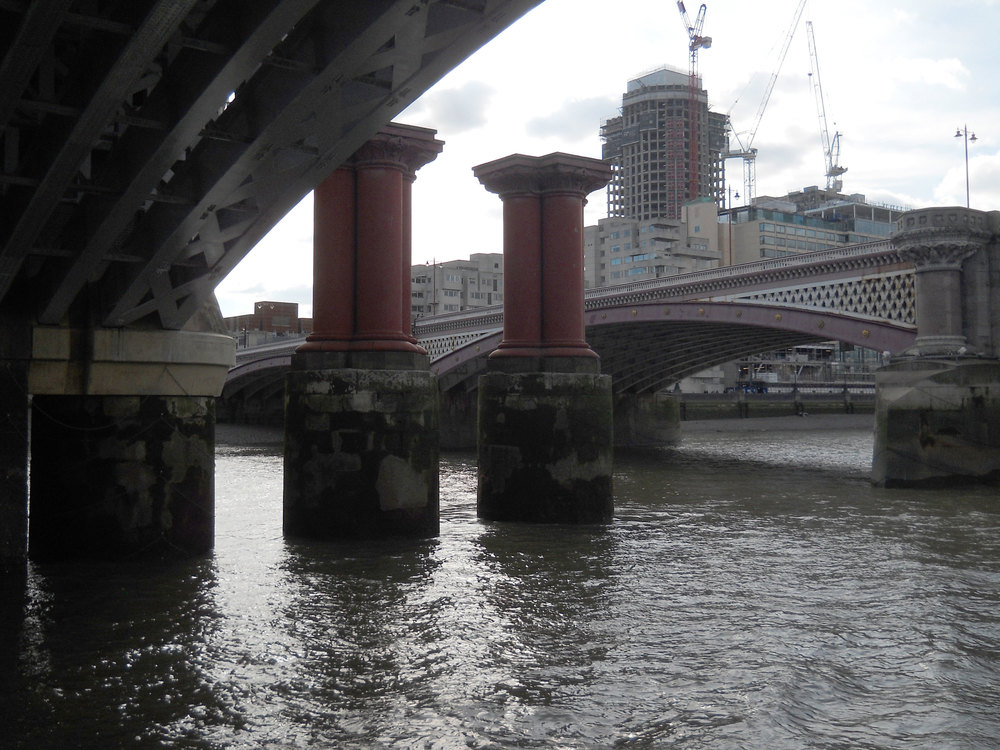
(870, 279)
(728, 278)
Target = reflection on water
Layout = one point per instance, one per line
(754, 591)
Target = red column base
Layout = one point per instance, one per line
(515, 350)
(365, 345)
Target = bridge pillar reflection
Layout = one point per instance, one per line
(937, 414)
(545, 411)
(361, 406)
(15, 355)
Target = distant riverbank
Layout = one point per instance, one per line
(784, 423)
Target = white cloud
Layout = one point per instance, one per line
(949, 73)
(454, 110)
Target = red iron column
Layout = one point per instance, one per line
(515, 181)
(543, 199)
(334, 248)
(361, 289)
(565, 185)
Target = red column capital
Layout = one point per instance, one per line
(556, 172)
(361, 248)
(402, 147)
(543, 199)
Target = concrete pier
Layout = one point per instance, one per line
(361, 406)
(937, 414)
(937, 422)
(545, 420)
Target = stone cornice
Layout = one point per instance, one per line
(403, 147)
(518, 174)
(941, 238)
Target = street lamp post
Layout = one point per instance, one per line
(963, 132)
(730, 189)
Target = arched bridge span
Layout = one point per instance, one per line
(652, 334)
(651, 346)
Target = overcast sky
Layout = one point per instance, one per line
(898, 78)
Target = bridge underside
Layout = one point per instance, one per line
(148, 145)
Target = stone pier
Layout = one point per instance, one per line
(361, 406)
(545, 411)
(937, 414)
(123, 441)
(646, 420)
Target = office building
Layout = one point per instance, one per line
(457, 284)
(622, 250)
(801, 222)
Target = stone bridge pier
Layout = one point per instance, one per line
(937, 414)
(122, 439)
(545, 410)
(361, 405)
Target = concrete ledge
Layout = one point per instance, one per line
(123, 361)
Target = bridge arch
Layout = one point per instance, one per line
(255, 389)
(650, 346)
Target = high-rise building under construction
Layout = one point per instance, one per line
(650, 147)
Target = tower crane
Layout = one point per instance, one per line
(695, 42)
(831, 149)
(747, 152)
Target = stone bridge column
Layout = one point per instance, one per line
(937, 418)
(545, 411)
(361, 407)
(123, 441)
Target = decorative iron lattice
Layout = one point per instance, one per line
(889, 297)
(441, 346)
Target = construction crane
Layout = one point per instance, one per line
(747, 152)
(695, 42)
(831, 149)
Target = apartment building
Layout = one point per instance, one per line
(457, 284)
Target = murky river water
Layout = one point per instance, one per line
(754, 591)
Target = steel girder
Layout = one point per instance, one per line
(148, 145)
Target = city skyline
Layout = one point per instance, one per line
(898, 80)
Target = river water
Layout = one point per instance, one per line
(754, 591)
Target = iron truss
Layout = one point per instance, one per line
(148, 145)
